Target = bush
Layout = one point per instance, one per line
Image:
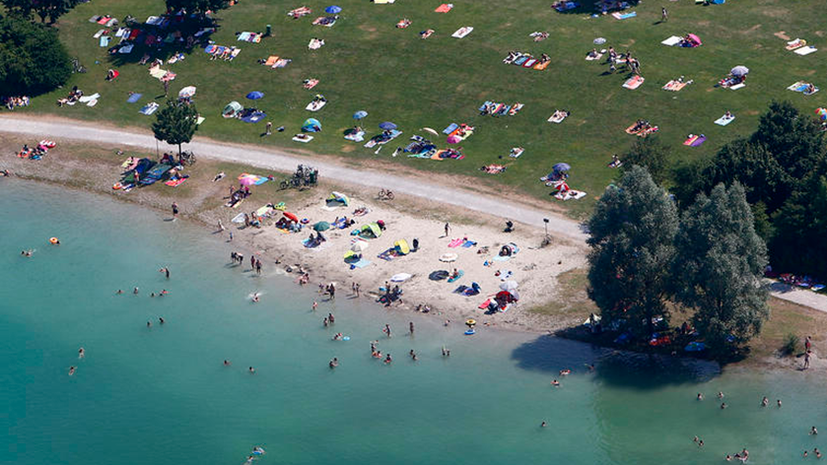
(32, 59)
(790, 346)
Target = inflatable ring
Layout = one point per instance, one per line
(304, 221)
(54, 240)
(470, 322)
(116, 186)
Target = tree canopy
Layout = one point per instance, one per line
(631, 236)
(52, 9)
(32, 59)
(719, 263)
(650, 153)
(176, 123)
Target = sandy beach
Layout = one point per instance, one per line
(534, 268)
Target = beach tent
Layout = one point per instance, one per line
(370, 231)
(359, 246)
(232, 109)
(321, 226)
(338, 198)
(312, 125)
(402, 247)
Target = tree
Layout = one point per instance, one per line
(795, 141)
(176, 123)
(650, 153)
(801, 229)
(631, 236)
(196, 6)
(52, 9)
(719, 263)
(32, 58)
(18, 8)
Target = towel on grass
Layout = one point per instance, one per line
(444, 8)
(695, 141)
(134, 98)
(99, 34)
(737, 86)
(633, 82)
(148, 109)
(89, 98)
(723, 121)
(618, 15)
(104, 42)
(462, 32)
(672, 41)
(806, 50)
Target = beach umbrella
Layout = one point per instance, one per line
(399, 277)
(187, 92)
(321, 226)
(360, 114)
(359, 246)
(739, 71)
(509, 286)
(822, 113)
(387, 125)
(291, 216)
(255, 95)
(560, 167)
(333, 9)
(432, 131)
(599, 41)
(455, 139)
(247, 181)
(694, 38)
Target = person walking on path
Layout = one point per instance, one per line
(664, 15)
(269, 128)
(174, 211)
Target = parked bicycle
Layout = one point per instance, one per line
(186, 158)
(385, 194)
(304, 176)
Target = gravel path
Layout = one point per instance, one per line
(276, 160)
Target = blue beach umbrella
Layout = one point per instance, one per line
(360, 114)
(387, 125)
(561, 167)
(255, 95)
(333, 9)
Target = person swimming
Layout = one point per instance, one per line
(334, 363)
(256, 297)
(226, 363)
(543, 424)
(765, 402)
(119, 292)
(251, 370)
(257, 450)
(81, 353)
(388, 359)
(723, 405)
(161, 320)
(700, 396)
(71, 371)
(565, 372)
(720, 394)
(148, 324)
(135, 291)
(813, 431)
(555, 383)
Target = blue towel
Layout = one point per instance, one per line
(134, 98)
(452, 127)
(360, 264)
(104, 42)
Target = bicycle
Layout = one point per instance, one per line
(187, 158)
(386, 194)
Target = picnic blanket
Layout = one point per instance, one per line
(593, 57)
(633, 82)
(694, 140)
(149, 108)
(462, 32)
(444, 8)
(723, 121)
(675, 85)
(672, 41)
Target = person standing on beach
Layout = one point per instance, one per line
(174, 211)
(807, 360)
(664, 15)
(269, 128)
(447, 229)
(258, 267)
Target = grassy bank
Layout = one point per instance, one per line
(369, 64)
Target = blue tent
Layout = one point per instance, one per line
(312, 125)
(255, 95)
(333, 9)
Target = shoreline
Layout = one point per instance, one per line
(535, 269)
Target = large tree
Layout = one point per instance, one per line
(793, 139)
(176, 123)
(631, 236)
(51, 9)
(800, 242)
(718, 266)
(650, 153)
(32, 58)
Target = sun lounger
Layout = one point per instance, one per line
(633, 82)
(299, 12)
(672, 41)
(723, 121)
(806, 50)
(462, 32)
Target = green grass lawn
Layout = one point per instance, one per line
(369, 64)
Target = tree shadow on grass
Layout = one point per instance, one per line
(164, 40)
(588, 7)
(550, 354)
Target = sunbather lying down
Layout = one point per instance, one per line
(403, 23)
(615, 163)
(539, 36)
(493, 169)
(310, 83)
(731, 80)
(641, 128)
(426, 33)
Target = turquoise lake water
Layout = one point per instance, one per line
(162, 395)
